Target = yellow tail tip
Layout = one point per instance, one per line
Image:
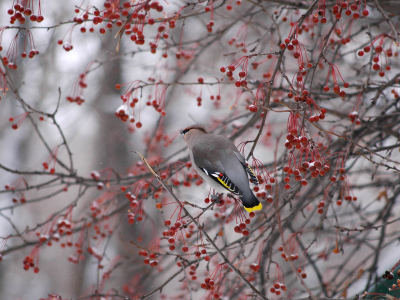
(250, 209)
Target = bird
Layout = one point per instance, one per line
(217, 160)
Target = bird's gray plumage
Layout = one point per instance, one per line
(212, 154)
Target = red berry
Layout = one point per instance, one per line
(253, 108)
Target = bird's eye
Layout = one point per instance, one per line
(183, 132)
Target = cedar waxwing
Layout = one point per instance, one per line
(217, 160)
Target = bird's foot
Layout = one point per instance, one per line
(216, 197)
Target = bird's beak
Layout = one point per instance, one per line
(182, 133)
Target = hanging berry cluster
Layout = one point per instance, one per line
(279, 281)
(308, 157)
(243, 61)
(213, 282)
(22, 9)
(255, 267)
(10, 59)
(151, 257)
(79, 85)
(336, 87)
(379, 50)
(17, 187)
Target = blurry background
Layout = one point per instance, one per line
(99, 141)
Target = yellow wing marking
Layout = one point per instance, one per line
(254, 177)
(224, 184)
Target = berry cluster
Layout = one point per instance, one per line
(20, 119)
(389, 275)
(379, 50)
(349, 9)
(241, 228)
(192, 272)
(354, 117)
(78, 255)
(242, 82)
(213, 282)
(150, 258)
(32, 260)
(17, 187)
(51, 159)
(279, 281)
(23, 9)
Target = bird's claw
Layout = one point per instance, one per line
(216, 197)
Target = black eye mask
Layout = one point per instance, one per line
(183, 132)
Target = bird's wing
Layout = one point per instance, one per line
(237, 170)
(246, 165)
(224, 181)
(219, 159)
(206, 156)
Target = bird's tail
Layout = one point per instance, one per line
(250, 202)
